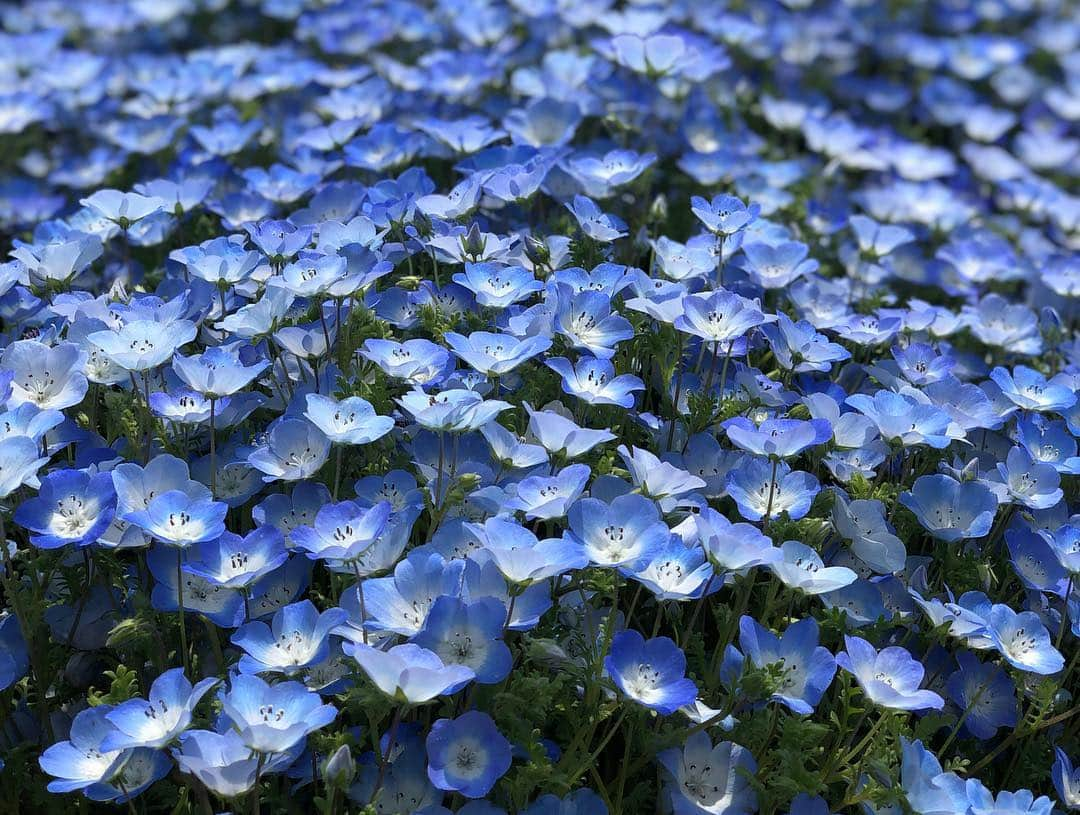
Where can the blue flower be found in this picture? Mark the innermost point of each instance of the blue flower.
(655, 478)
(1030, 390)
(22, 460)
(777, 266)
(177, 519)
(14, 657)
(621, 533)
(408, 673)
(467, 754)
(236, 562)
(350, 421)
(804, 669)
(1066, 779)
(1023, 640)
(468, 634)
(582, 801)
(417, 361)
(221, 761)
(496, 285)
(297, 638)
(1027, 481)
(951, 510)
(652, 673)
(707, 778)
(142, 345)
(761, 490)
(273, 718)
(342, 531)
(724, 214)
(495, 354)
(733, 547)
(598, 225)
(547, 497)
(594, 381)
(889, 678)
(777, 438)
(294, 449)
(455, 410)
(798, 347)
(524, 560)
(802, 568)
(985, 694)
(49, 377)
(675, 571)
(904, 419)
(588, 322)
(159, 719)
(81, 761)
(563, 436)
(71, 507)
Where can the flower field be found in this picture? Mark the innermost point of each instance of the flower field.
(540, 406)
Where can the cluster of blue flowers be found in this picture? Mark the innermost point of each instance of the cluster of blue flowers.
(540, 406)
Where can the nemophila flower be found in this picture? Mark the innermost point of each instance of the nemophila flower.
(1051, 442)
(889, 678)
(159, 719)
(761, 489)
(468, 634)
(273, 718)
(342, 531)
(20, 460)
(496, 285)
(219, 371)
(400, 603)
(802, 568)
(1030, 390)
(142, 767)
(951, 510)
(455, 410)
(733, 547)
(921, 364)
(177, 519)
(986, 694)
(798, 346)
(582, 801)
(619, 533)
(82, 762)
(49, 377)
(522, 558)
(220, 761)
(925, 786)
(560, 435)
(142, 345)
(72, 507)
(123, 208)
(652, 673)
(876, 240)
(221, 605)
(595, 382)
(719, 316)
(984, 802)
(675, 571)
(903, 419)
(598, 225)
(655, 478)
(495, 354)
(548, 497)
(724, 214)
(777, 266)
(221, 261)
(777, 438)
(803, 669)
(1066, 779)
(708, 778)
(467, 754)
(409, 674)
(296, 639)
(587, 321)
(1034, 484)
(351, 421)
(1065, 544)
(511, 451)
(236, 562)
(295, 449)
(14, 659)
(1035, 561)
(261, 318)
(279, 240)
(1023, 640)
(417, 361)
(872, 540)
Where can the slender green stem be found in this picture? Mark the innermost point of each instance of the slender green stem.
(180, 609)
